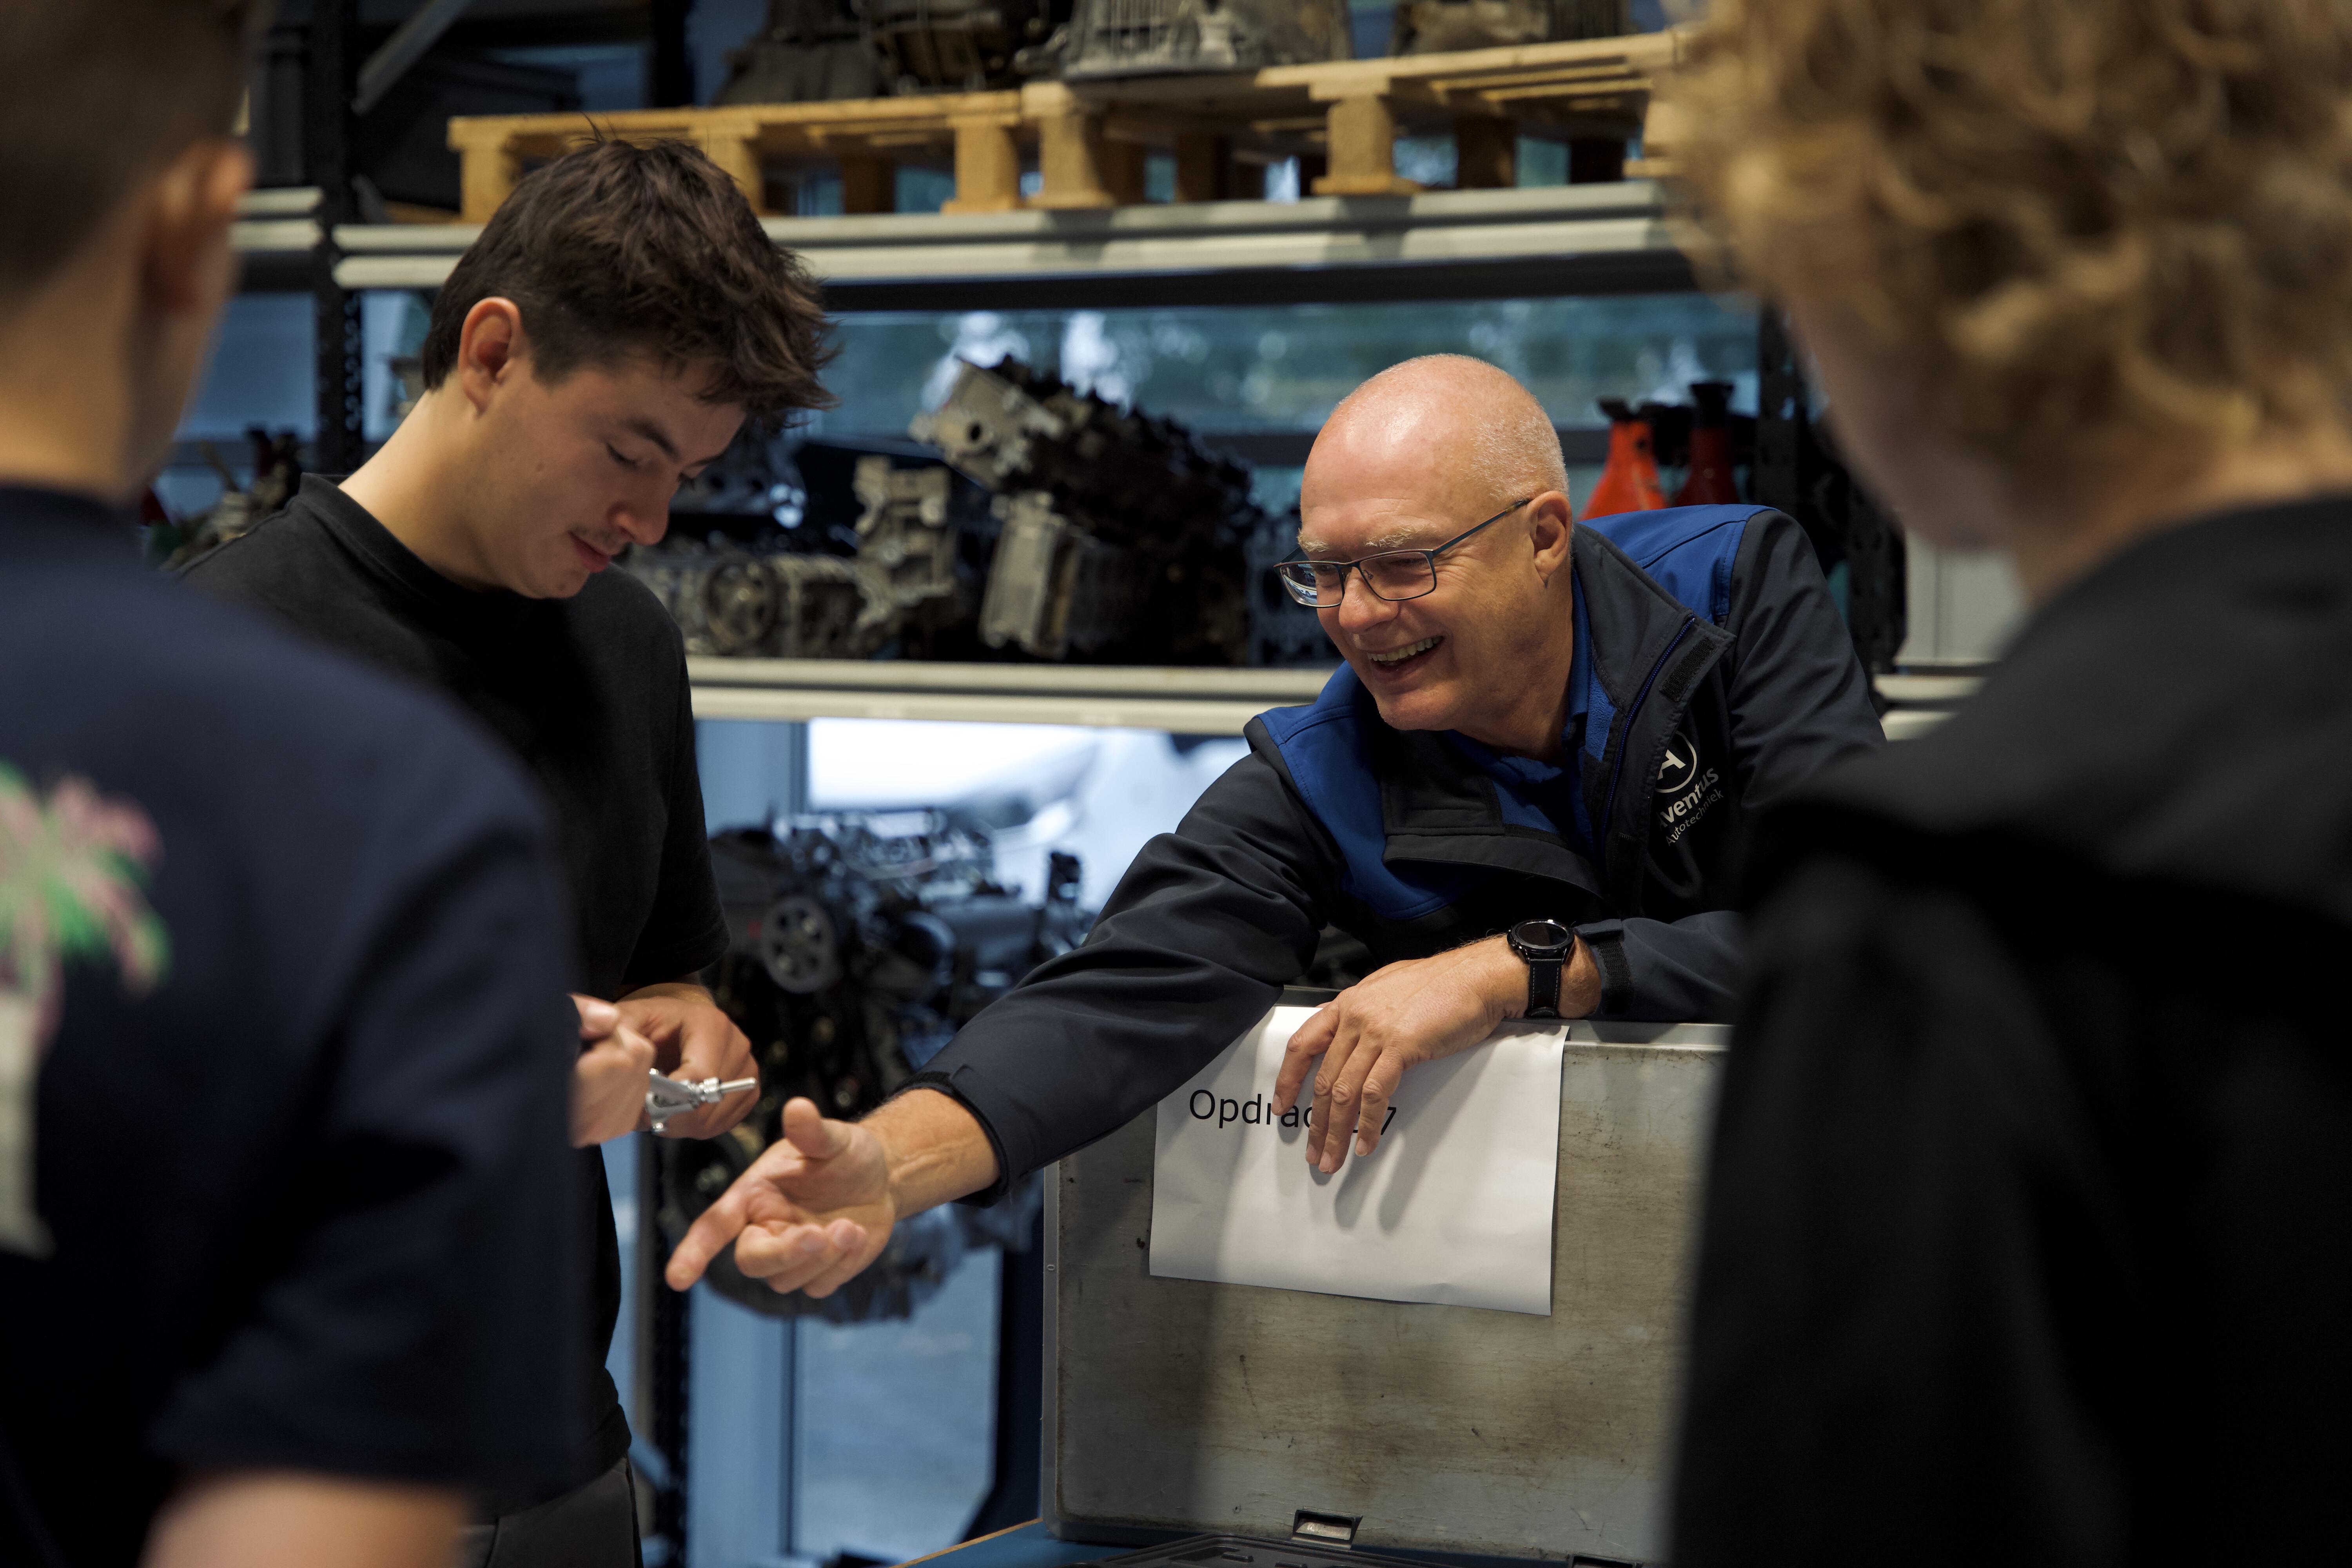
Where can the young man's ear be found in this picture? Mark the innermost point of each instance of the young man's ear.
(489, 348)
(186, 261)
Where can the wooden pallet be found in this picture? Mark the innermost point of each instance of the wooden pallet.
(1348, 112)
(868, 137)
(1091, 138)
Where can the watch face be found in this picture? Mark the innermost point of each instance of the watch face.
(1542, 936)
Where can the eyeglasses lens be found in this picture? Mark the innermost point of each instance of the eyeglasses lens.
(1406, 574)
(1312, 583)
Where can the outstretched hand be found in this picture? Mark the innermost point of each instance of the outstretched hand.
(1395, 1018)
(810, 1212)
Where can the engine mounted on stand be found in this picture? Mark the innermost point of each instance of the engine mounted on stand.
(857, 945)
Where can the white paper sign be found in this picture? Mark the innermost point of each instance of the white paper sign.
(1454, 1207)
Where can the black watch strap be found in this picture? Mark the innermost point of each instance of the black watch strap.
(1544, 946)
(1543, 987)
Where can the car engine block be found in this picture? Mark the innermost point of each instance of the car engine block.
(857, 945)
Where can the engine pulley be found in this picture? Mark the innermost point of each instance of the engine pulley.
(798, 946)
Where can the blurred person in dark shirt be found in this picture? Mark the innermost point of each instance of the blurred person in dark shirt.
(2028, 1231)
(621, 318)
(285, 1067)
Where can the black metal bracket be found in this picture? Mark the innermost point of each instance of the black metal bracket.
(337, 447)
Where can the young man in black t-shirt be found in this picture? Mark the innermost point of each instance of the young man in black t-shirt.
(284, 1063)
(617, 322)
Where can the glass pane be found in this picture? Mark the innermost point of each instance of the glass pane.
(1274, 367)
(1100, 794)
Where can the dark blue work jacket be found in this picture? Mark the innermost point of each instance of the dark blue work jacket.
(1718, 677)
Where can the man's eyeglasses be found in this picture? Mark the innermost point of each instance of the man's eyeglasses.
(1391, 574)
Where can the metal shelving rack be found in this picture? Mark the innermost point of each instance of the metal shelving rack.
(1545, 240)
(1519, 243)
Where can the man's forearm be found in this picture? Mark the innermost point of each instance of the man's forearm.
(1579, 983)
(264, 1519)
(937, 1150)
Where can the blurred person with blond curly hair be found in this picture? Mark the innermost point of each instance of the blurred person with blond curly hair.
(2028, 1231)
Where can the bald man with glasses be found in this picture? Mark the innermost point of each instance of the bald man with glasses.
(1525, 792)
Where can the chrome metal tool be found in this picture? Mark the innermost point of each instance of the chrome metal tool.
(668, 1097)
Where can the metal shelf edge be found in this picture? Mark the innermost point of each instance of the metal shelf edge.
(1118, 682)
(1194, 716)
(1447, 228)
(280, 201)
(263, 235)
(1201, 702)
(1166, 220)
(1910, 723)
(1934, 690)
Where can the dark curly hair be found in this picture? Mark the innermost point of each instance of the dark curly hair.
(618, 249)
(2090, 230)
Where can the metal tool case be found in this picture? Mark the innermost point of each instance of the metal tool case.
(1175, 1406)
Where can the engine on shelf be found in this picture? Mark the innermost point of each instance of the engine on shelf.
(953, 44)
(806, 51)
(773, 597)
(1437, 26)
(857, 945)
(1067, 528)
(1149, 38)
(815, 50)
(1123, 538)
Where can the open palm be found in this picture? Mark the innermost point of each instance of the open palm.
(811, 1211)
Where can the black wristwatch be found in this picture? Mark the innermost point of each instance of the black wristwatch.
(1545, 946)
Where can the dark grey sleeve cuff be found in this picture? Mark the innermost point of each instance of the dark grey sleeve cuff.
(945, 1084)
(1606, 941)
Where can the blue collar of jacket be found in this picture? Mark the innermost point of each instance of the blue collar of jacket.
(1416, 819)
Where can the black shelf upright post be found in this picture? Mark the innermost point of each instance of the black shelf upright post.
(1014, 1494)
(1783, 417)
(668, 1363)
(1798, 470)
(670, 63)
(331, 78)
